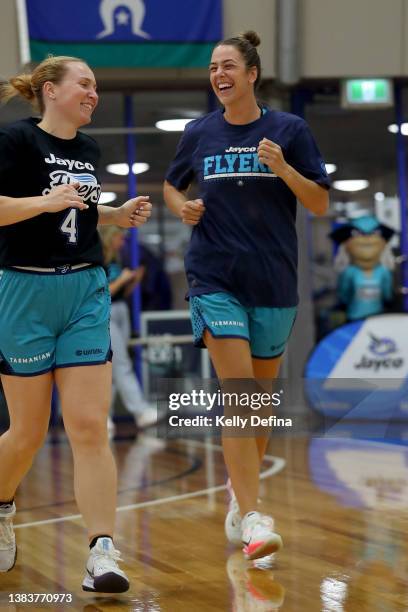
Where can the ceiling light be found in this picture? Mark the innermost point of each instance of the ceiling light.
(357, 185)
(123, 169)
(379, 196)
(107, 196)
(330, 168)
(393, 128)
(172, 125)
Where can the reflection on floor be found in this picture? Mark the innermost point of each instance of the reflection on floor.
(340, 504)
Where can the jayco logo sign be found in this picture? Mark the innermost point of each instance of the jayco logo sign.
(382, 356)
(379, 348)
(374, 350)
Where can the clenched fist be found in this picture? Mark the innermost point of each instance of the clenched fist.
(192, 211)
(271, 155)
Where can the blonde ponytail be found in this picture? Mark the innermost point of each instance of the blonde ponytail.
(30, 86)
(17, 86)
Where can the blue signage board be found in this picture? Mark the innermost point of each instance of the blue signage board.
(360, 370)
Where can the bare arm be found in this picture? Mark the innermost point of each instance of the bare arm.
(174, 198)
(14, 210)
(127, 280)
(132, 213)
(124, 278)
(189, 211)
(313, 197)
(136, 280)
(106, 215)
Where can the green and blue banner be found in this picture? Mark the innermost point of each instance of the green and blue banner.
(125, 33)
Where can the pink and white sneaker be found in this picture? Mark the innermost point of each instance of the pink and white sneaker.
(258, 536)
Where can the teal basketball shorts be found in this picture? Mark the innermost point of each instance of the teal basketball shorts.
(53, 320)
(266, 329)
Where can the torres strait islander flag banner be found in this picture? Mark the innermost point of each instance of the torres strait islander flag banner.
(122, 33)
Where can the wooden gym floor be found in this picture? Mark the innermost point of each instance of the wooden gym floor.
(341, 506)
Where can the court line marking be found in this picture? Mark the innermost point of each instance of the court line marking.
(276, 467)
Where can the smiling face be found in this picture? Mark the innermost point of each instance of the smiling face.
(231, 80)
(365, 250)
(75, 97)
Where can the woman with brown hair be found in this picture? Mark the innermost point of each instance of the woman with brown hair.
(251, 163)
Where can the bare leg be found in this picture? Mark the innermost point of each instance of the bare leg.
(232, 359)
(85, 394)
(29, 404)
(265, 369)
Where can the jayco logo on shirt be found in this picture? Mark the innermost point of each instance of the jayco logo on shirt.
(88, 189)
(241, 150)
(71, 163)
(236, 162)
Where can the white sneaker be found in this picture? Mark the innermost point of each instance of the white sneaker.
(102, 571)
(232, 525)
(8, 549)
(147, 418)
(258, 536)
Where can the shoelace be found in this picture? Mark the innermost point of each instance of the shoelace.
(6, 534)
(104, 559)
(267, 521)
(264, 520)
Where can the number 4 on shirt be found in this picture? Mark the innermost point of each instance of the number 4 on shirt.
(69, 226)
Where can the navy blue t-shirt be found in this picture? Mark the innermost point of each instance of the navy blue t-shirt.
(245, 243)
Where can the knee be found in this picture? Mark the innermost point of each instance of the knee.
(88, 431)
(27, 442)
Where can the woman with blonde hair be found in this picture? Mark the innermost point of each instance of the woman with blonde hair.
(122, 282)
(54, 301)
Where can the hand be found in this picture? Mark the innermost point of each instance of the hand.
(136, 277)
(270, 154)
(126, 276)
(62, 197)
(134, 212)
(138, 274)
(192, 212)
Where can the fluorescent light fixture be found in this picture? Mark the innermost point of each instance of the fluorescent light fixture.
(393, 128)
(123, 169)
(107, 196)
(379, 196)
(357, 185)
(172, 125)
(330, 168)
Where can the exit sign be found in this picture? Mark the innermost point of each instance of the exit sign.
(367, 93)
